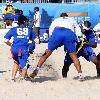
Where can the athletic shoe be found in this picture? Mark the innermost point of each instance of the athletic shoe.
(81, 78)
(21, 79)
(33, 74)
(98, 76)
(13, 80)
(64, 73)
(65, 70)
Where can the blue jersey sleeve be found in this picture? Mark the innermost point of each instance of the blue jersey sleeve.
(9, 34)
(92, 38)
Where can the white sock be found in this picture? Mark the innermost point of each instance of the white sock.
(37, 68)
(80, 74)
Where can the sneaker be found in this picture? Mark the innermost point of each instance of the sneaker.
(13, 80)
(33, 74)
(18, 75)
(98, 76)
(81, 78)
(64, 73)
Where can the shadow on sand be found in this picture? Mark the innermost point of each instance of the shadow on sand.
(87, 78)
(41, 79)
(3, 71)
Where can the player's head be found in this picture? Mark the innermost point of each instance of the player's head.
(8, 19)
(36, 9)
(21, 12)
(86, 25)
(22, 20)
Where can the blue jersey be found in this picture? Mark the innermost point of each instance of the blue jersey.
(87, 51)
(90, 36)
(21, 34)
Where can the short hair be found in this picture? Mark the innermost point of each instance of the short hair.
(63, 15)
(87, 24)
(22, 19)
(17, 11)
(36, 8)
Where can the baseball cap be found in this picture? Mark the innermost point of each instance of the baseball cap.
(9, 16)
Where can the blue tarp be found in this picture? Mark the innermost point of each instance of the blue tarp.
(50, 11)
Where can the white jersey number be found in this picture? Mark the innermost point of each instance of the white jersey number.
(22, 31)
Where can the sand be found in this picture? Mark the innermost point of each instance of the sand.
(49, 84)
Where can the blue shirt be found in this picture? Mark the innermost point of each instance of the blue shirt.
(16, 17)
(21, 34)
(90, 36)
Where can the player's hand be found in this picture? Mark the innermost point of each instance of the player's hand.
(85, 44)
(98, 35)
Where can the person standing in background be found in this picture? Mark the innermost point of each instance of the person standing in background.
(8, 19)
(36, 22)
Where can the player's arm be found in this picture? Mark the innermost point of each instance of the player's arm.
(38, 17)
(34, 21)
(91, 40)
(93, 45)
(8, 43)
(7, 37)
(97, 35)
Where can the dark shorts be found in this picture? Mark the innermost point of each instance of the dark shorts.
(36, 30)
(86, 52)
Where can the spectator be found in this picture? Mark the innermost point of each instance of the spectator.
(8, 9)
(36, 22)
(8, 19)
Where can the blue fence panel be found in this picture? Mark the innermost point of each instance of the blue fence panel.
(50, 11)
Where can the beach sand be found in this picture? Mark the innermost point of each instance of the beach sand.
(49, 84)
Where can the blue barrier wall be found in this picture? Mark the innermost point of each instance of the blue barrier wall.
(50, 11)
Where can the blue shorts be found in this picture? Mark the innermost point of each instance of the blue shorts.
(62, 36)
(86, 52)
(20, 56)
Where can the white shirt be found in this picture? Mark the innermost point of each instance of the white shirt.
(37, 16)
(66, 22)
(97, 29)
(15, 23)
